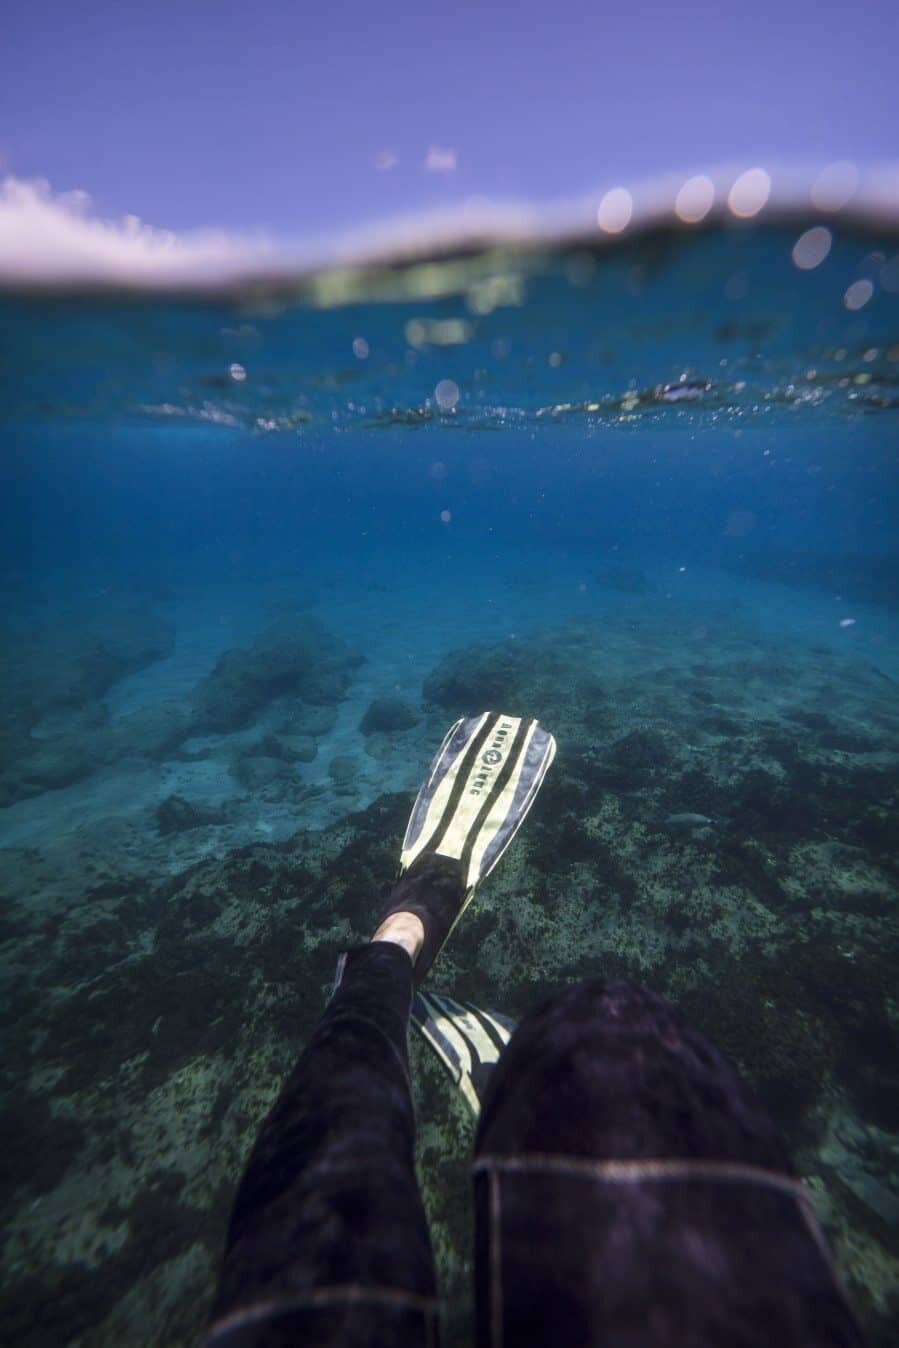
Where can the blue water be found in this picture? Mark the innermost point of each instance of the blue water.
(648, 491)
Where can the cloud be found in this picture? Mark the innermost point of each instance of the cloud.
(53, 238)
(385, 160)
(441, 159)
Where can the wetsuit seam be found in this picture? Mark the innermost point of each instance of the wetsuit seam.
(650, 1170)
(668, 1169)
(496, 1305)
(340, 1294)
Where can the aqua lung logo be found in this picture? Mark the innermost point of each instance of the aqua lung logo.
(490, 759)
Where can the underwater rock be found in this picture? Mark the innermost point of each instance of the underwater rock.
(73, 744)
(292, 748)
(52, 765)
(37, 1146)
(478, 676)
(310, 720)
(258, 771)
(152, 732)
(85, 722)
(388, 715)
(73, 666)
(785, 1040)
(295, 656)
(177, 815)
(636, 760)
(343, 769)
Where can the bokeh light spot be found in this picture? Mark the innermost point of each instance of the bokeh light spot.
(615, 211)
(812, 247)
(447, 394)
(695, 199)
(749, 193)
(858, 294)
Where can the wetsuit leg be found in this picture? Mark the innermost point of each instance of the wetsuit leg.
(328, 1241)
(630, 1190)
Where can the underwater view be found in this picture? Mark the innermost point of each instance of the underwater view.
(261, 547)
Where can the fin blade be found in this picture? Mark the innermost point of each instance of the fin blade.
(479, 789)
(467, 1041)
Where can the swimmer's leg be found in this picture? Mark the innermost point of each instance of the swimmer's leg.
(630, 1190)
(328, 1241)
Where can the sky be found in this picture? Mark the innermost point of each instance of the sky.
(301, 117)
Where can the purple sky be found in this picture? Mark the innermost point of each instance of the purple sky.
(273, 113)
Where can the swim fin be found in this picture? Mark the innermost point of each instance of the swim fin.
(467, 1041)
(478, 791)
(474, 799)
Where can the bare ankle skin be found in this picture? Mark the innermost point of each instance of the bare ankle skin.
(403, 929)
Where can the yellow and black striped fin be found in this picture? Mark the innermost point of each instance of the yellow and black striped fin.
(478, 791)
(467, 1041)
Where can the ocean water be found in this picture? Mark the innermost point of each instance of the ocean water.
(259, 549)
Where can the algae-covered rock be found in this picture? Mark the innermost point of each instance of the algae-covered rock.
(292, 748)
(343, 769)
(52, 683)
(177, 815)
(296, 656)
(306, 719)
(469, 680)
(388, 715)
(784, 1038)
(257, 771)
(152, 732)
(298, 748)
(52, 765)
(75, 664)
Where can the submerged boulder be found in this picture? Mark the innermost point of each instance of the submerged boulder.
(75, 664)
(296, 656)
(306, 719)
(477, 677)
(177, 815)
(387, 715)
(290, 748)
(343, 770)
(52, 765)
(258, 771)
(152, 732)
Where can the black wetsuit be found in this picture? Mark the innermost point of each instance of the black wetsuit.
(629, 1190)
